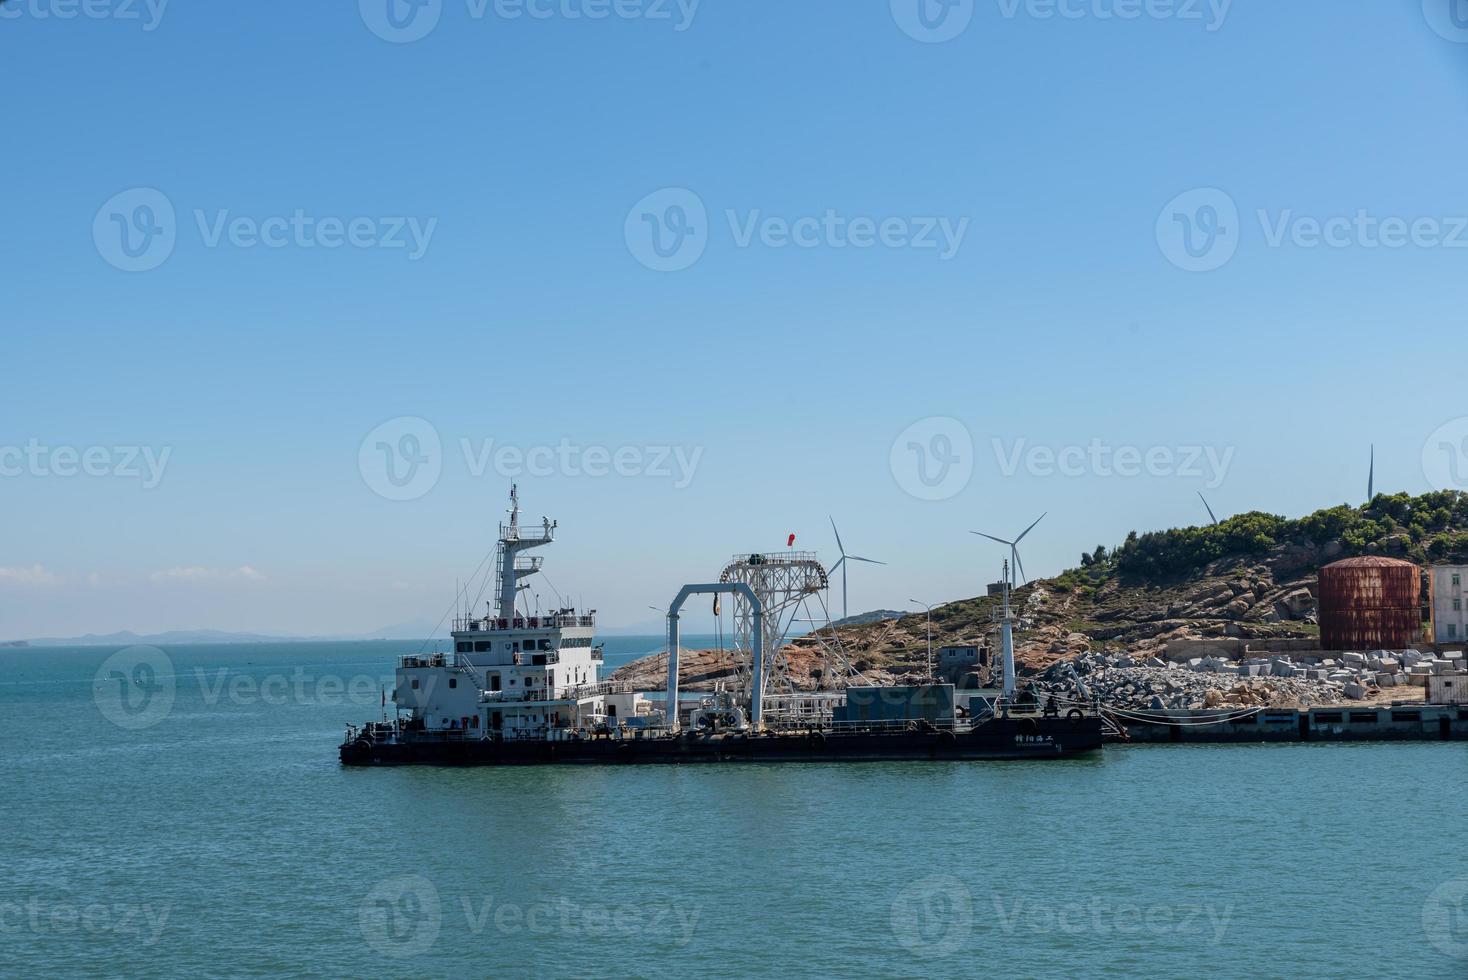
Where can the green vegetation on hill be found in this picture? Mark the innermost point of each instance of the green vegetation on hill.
(1429, 528)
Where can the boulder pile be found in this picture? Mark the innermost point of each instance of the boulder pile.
(1257, 681)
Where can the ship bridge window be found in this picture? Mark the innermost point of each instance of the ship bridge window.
(545, 644)
(482, 646)
(453, 682)
(463, 647)
(415, 683)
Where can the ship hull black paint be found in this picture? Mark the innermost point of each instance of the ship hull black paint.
(997, 740)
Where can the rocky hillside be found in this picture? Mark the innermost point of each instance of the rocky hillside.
(1250, 577)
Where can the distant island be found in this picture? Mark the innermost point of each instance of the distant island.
(415, 630)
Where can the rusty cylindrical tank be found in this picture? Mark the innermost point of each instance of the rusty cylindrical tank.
(1370, 603)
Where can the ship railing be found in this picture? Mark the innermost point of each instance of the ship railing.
(604, 687)
(552, 621)
(772, 557)
(891, 725)
(528, 533)
(426, 660)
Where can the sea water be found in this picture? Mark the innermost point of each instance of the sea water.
(208, 830)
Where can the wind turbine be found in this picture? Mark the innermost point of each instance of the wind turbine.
(1209, 509)
(841, 564)
(1015, 563)
(1371, 477)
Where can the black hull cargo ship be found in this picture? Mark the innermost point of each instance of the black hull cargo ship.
(997, 739)
(524, 688)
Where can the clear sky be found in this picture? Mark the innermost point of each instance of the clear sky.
(787, 240)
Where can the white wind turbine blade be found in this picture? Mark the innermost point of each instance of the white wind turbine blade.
(992, 538)
(839, 546)
(1031, 527)
(1207, 508)
(838, 564)
(869, 561)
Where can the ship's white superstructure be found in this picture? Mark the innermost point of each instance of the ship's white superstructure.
(512, 674)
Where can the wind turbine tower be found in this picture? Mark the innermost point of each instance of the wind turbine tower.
(841, 564)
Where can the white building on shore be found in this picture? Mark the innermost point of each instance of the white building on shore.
(1449, 603)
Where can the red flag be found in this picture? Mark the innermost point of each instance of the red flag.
(791, 542)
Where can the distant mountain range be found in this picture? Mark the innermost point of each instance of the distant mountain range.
(413, 630)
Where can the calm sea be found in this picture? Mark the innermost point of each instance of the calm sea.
(181, 813)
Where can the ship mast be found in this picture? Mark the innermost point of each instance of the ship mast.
(512, 568)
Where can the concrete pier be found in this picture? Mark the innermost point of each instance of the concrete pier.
(1414, 722)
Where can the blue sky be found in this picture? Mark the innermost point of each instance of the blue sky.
(528, 152)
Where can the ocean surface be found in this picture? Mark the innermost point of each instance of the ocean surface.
(180, 813)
